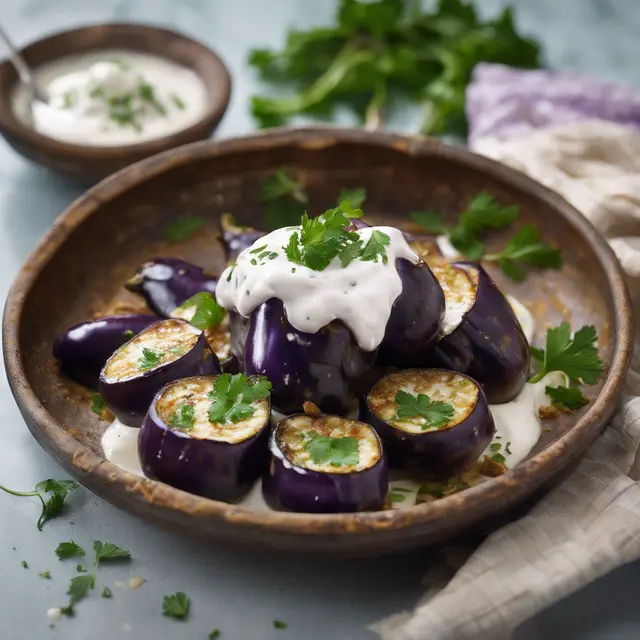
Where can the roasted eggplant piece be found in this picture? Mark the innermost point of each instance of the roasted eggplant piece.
(165, 283)
(327, 368)
(416, 317)
(433, 423)
(481, 335)
(325, 464)
(237, 238)
(207, 450)
(83, 349)
(166, 351)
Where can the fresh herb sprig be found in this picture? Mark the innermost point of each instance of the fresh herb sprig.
(334, 451)
(176, 606)
(377, 51)
(149, 359)
(52, 494)
(183, 418)
(232, 397)
(568, 398)
(436, 414)
(207, 313)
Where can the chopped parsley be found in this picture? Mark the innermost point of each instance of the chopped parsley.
(334, 451)
(176, 606)
(278, 624)
(108, 551)
(46, 575)
(52, 494)
(69, 550)
(566, 397)
(24, 564)
(178, 101)
(128, 333)
(149, 359)
(496, 456)
(376, 247)
(207, 312)
(232, 397)
(182, 228)
(397, 497)
(214, 634)
(97, 404)
(81, 569)
(106, 593)
(78, 589)
(577, 357)
(436, 414)
(183, 418)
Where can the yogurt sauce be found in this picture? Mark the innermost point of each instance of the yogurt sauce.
(111, 98)
(313, 299)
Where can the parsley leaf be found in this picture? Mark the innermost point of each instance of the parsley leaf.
(577, 357)
(182, 228)
(46, 575)
(232, 396)
(430, 221)
(183, 418)
(81, 569)
(108, 551)
(97, 404)
(376, 247)
(78, 589)
(214, 634)
(334, 451)
(278, 624)
(485, 212)
(149, 359)
(397, 497)
(207, 313)
(106, 593)
(354, 196)
(435, 413)
(283, 198)
(69, 550)
(24, 564)
(176, 606)
(566, 398)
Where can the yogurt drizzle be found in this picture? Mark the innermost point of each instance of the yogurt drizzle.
(361, 295)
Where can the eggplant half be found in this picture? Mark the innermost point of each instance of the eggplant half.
(237, 238)
(325, 464)
(166, 351)
(165, 283)
(83, 349)
(434, 423)
(481, 335)
(179, 444)
(327, 368)
(416, 317)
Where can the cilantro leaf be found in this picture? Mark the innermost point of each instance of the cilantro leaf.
(354, 196)
(232, 396)
(334, 451)
(176, 606)
(183, 418)
(69, 550)
(430, 221)
(435, 413)
(108, 551)
(149, 359)
(97, 404)
(566, 398)
(207, 313)
(283, 200)
(577, 357)
(376, 247)
(182, 228)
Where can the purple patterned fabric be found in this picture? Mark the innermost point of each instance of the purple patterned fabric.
(503, 101)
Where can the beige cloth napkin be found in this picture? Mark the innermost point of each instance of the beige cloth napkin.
(590, 524)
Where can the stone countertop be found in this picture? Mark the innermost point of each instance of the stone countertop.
(242, 593)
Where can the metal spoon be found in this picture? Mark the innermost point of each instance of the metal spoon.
(24, 71)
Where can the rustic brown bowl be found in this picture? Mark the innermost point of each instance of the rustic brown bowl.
(78, 269)
(90, 164)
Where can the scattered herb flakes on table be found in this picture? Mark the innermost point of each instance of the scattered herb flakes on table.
(381, 50)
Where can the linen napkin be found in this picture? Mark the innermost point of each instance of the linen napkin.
(537, 122)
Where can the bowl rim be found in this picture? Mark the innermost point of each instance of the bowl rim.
(215, 110)
(497, 494)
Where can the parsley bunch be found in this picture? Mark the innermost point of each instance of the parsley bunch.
(232, 397)
(435, 413)
(379, 50)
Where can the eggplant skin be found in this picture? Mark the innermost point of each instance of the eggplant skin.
(416, 317)
(83, 349)
(435, 455)
(286, 487)
(235, 238)
(129, 399)
(488, 345)
(327, 368)
(216, 470)
(165, 283)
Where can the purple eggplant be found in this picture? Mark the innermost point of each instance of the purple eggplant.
(325, 464)
(83, 349)
(166, 351)
(237, 238)
(165, 283)
(433, 423)
(179, 445)
(327, 368)
(416, 317)
(484, 338)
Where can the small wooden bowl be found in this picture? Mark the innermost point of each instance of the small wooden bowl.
(89, 164)
(78, 268)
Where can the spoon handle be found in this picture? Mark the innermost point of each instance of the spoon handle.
(21, 66)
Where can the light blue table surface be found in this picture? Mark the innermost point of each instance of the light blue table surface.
(242, 592)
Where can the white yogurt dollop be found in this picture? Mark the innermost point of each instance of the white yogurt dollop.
(112, 98)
